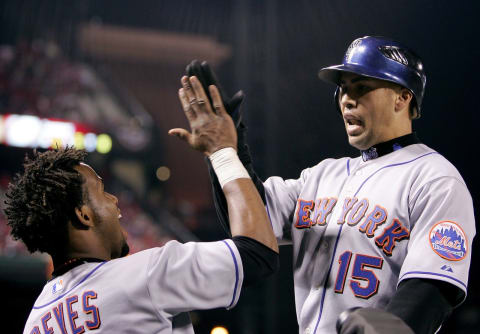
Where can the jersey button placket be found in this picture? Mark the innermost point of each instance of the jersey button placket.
(348, 189)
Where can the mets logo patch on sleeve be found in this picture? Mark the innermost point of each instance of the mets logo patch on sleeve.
(448, 241)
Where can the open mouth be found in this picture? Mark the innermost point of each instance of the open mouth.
(354, 126)
(354, 122)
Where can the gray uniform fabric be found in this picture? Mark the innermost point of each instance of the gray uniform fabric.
(361, 227)
(147, 292)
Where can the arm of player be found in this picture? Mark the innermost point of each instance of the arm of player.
(279, 196)
(213, 130)
(425, 310)
(232, 105)
(421, 312)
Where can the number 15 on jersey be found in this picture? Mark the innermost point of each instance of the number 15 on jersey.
(364, 283)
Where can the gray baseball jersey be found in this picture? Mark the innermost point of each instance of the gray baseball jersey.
(147, 292)
(361, 227)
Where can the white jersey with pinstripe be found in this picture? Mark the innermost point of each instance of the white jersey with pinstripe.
(359, 228)
(148, 292)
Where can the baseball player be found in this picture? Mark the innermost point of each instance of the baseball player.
(59, 206)
(391, 229)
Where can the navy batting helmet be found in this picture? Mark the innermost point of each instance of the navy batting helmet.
(384, 59)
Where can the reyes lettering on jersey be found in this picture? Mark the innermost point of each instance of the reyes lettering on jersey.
(63, 318)
(354, 213)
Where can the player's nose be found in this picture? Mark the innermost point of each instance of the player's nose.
(347, 102)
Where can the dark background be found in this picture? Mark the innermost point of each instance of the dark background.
(277, 48)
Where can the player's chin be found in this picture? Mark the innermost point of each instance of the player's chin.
(358, 142)
(356, 137)
(120, 252)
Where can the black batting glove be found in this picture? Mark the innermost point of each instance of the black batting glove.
(207, 77)
(232, 105)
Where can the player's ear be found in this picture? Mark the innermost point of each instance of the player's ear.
(84, 215)
(402, 101)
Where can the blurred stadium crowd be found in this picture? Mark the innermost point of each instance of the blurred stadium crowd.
(36, 79)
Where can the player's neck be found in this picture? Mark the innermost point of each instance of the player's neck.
(399, 128)
(74, 253)
(86, 244)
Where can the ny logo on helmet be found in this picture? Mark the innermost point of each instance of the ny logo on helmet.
(351, 48)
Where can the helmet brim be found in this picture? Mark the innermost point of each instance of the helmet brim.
(333, 74)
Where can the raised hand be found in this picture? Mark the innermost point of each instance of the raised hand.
(207, 77)
(212, 128)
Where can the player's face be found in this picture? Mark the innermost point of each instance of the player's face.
(367, 107)
(106, 214)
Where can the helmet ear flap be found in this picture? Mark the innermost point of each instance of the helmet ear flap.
(336, 99)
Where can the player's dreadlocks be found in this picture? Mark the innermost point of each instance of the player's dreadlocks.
(42, 200)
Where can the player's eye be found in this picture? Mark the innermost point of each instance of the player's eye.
(362, 89)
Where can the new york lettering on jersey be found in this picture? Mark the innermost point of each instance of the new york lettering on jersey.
(354, 211)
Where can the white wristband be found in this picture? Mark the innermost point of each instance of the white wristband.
(228, 166)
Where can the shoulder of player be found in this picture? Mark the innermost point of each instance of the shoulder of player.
(330, 167)
(114, 271)
(428, 167)
(431, 163)
(171, 250)
(333, 165)
(139, 259)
